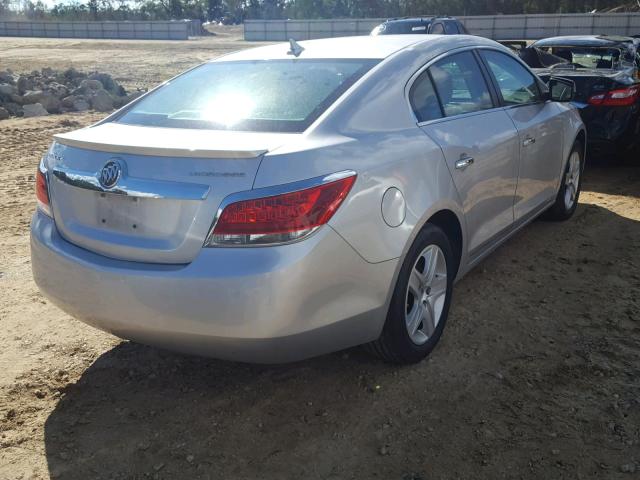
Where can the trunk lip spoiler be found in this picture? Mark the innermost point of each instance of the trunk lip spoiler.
(158, 151)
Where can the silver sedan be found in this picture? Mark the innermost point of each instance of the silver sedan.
(296, 199)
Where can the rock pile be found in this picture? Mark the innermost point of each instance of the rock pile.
(50, 91)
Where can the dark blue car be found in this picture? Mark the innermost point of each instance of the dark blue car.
(418, 25)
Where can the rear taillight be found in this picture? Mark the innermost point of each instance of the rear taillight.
(42, 190)
(283, 217)
(622, 97)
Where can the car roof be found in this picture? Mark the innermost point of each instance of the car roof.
(374, 47)
(582, 41)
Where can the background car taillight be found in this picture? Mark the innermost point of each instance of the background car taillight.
(622, 97)
(280, 218)
(42, 190)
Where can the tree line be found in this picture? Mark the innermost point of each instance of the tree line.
(235, 11)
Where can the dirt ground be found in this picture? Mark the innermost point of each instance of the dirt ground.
(536, 377)
(133, 63)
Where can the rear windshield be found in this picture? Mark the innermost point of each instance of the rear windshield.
(585, 57)
(263, 95)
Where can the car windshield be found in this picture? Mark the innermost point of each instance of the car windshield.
(582, 57)
(262, 95)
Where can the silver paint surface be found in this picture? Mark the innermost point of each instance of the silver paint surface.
(137, 266)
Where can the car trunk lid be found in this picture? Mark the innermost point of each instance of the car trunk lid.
(168, 184)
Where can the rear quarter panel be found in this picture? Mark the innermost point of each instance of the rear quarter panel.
(572, 126)
(406, 159)
(372, 131)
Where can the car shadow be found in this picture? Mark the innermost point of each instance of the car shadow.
(540, 336)
(142, 411)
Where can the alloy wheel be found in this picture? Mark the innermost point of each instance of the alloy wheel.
(426, 294)
(572, 180)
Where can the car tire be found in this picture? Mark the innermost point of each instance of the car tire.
(421, 294)
(569, 192)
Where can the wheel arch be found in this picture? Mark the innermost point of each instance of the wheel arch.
(446, 217)
(449, 222)
(581, 137)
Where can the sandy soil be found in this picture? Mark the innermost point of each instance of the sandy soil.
(536, 377)
(133, 63)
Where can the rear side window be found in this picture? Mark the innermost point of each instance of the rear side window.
(423, 98)
(263, 95)
(460, 85)
(517, 85)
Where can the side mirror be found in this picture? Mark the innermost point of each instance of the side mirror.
(561, 89)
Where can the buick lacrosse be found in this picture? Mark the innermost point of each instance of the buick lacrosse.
(296, 199)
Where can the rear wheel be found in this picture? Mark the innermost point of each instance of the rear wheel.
(420, 303)
(569, 192)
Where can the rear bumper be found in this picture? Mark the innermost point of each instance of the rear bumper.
(270, 304)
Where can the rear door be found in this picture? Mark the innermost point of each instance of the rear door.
(539, 126)
(455, 106)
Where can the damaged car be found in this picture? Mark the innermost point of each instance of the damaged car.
(606, 73)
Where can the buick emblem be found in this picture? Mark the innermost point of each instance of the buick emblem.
(110, 174)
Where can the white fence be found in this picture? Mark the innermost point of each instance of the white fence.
(533, 27)
(498, 27)
(123, 30)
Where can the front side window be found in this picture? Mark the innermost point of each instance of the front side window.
(261, 95)
(460, 85)
(517, 85)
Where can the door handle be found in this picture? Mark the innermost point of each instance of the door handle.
(528, 141)
(464, 162)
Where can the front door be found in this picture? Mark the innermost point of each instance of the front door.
(539, 128)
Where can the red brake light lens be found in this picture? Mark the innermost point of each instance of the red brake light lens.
(622, 97)
(42, 191)
(280, 218)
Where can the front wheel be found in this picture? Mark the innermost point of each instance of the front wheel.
(421, 298)
(569, 192)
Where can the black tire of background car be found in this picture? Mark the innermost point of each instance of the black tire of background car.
(394, 344)
(558, 211)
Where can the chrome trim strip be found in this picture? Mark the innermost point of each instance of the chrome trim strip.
(134, 187)
(270, 192)
(459, 116)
